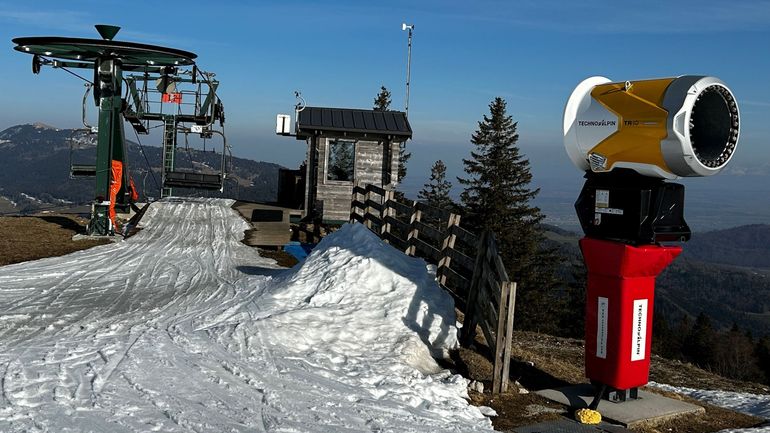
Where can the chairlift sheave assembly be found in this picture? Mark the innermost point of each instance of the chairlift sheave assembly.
(195, 108)
(109, 59)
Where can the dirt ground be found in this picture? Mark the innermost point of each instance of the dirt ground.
(542, 361)
(281, 257)
(35, 237)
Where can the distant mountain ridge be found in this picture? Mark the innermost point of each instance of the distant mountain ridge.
(747, 246)
(35, 158)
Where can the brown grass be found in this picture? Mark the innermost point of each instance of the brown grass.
(282, 258)
(542, 361)
(35, 237)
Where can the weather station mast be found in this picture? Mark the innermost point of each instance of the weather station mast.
(109, 59)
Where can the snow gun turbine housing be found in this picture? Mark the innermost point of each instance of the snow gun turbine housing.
(664, 128)
(630, 138)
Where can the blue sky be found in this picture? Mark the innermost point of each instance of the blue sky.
(532, 53)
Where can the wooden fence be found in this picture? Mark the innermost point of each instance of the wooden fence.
(467, 266)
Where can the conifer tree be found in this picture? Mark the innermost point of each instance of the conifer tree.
(436, 192)
(762, 352)
(403, 158)
(676, 342)
(698, 348)
(382, 101)
(497, 197)
(572, 316)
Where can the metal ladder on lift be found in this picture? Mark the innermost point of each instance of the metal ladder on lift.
(169, 145)
(184, 179)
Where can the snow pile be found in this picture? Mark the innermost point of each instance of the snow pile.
(183, 328)
(356, 293)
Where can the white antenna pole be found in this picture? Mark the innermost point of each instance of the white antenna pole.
(409, 27)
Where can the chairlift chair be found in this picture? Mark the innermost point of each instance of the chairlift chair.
(81, 170)
(196, 179)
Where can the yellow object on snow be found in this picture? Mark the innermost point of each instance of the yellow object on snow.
(588, 416)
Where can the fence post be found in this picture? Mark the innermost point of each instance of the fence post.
(497, 375)
(411, 238)
(367, 208)
(447, 245)
(386, 212)
(354, 199)
(509, 333)
(471, 319)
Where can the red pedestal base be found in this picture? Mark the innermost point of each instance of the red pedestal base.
(619, 307)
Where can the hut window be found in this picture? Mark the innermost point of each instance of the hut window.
(340, 160)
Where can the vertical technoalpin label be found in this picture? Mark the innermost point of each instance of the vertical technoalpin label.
(601, 328)
(639, 330)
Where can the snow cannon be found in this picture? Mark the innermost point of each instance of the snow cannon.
(665, 128)
(630, 138)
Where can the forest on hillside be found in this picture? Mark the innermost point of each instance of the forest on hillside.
(35, 167)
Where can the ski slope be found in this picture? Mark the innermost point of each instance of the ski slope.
(182, 328)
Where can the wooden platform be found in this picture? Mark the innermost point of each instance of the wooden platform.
(269, 224)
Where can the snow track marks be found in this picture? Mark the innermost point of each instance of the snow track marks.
(182, 328)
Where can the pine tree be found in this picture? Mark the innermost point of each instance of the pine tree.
(436, 192)
(762, 352)
(698, 348)
(382, 101)
(403, 158)
(676, 342)
(661, 335)
(572, 316)
(497, 198)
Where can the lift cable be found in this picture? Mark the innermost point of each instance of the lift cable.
(147, 161)
(79, 76)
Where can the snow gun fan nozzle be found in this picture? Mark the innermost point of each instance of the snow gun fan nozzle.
(665, 128)
(107, 32)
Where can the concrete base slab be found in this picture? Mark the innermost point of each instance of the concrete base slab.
(648, 409)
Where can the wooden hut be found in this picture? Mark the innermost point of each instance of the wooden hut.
(345, 147)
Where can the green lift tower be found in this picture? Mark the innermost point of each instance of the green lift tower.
(109, 60)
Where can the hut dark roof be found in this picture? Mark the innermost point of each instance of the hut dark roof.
(344, 121)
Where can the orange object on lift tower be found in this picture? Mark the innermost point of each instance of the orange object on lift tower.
(116, 181)
(174, 98)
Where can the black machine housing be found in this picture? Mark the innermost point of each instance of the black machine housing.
(627, 207)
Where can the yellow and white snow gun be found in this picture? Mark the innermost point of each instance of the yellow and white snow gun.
(662, 128)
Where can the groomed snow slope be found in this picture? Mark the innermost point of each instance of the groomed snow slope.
(182, 328)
